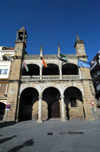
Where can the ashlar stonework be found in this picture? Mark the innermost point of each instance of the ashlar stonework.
(61, 90)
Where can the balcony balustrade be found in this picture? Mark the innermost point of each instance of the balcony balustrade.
(50, 77)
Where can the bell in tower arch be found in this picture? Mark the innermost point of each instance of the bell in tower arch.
(21, 35)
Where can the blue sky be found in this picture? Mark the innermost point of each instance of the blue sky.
(49, 22)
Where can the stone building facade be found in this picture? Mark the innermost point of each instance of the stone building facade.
(6, 54)
(61, 90)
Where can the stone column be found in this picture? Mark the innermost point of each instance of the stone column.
(40, 109)
(40, 73)
(63, 109)
(60, 69)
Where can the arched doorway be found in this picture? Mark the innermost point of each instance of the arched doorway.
(52, 96)
(53, 108)
(28, 98)
(2, 110)
(74, 103)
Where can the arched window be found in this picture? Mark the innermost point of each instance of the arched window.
(52, 69)
(33, 69)
(69, 69)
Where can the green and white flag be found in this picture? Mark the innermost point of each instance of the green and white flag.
(26, 67)
(63, 57)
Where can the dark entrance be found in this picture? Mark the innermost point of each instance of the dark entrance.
(53, 108)
(51, 96)
(74, 103)
(28, 97)
(2, 110)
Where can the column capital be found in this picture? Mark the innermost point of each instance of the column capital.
(62, 96)
(40, 96)
(83, 97)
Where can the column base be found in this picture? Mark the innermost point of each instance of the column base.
(63, 120)
(16, 120)
(39, 120)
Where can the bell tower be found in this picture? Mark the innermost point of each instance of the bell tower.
(80, 49)
(15, 74)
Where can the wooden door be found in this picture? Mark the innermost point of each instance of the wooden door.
(55, 110)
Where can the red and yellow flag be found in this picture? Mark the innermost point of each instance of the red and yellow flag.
(44, 63)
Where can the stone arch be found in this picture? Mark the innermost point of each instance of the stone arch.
(29, 96)
(2, 110)
(69, 69)
(74, 103)
(52, 69)
(33, 69)
(80, 87)
(24, 86)
(51, 96)
(51, 85)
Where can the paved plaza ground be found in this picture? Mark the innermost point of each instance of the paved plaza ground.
(50, 136)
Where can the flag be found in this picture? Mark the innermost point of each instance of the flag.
(26, 67)
(44, 63)
(63, 57)
(84, 64)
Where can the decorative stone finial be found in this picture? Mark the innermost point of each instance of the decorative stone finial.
(77, 37)
(58, 49)
(41, 51)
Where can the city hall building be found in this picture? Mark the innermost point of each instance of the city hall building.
(42, 87)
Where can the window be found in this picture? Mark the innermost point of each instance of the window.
(73, 102)
(3, 71)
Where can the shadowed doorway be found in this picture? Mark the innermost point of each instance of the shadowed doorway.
(74, 103)
(28, 97)
(2, 110)
(51, 96)
(53, 108)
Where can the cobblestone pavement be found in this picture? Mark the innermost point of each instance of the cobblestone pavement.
(50, 136)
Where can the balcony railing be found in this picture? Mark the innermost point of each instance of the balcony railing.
(50, 77)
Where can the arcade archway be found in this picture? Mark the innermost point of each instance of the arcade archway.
(52, 98)
(74, 103)
(29, 99)
(2, 110)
